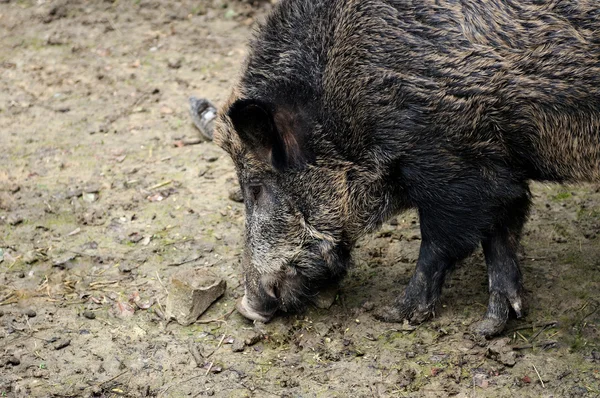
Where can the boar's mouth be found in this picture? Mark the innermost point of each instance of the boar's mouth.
(243, 306)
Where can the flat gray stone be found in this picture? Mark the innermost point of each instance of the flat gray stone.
(191, 292)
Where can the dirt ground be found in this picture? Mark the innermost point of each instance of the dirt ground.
(100, 203)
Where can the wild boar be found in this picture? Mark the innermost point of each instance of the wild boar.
(351, 111)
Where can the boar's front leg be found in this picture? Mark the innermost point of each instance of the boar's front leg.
(445, 240)
(504, 275)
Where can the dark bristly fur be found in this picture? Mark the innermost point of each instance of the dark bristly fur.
(350, 111)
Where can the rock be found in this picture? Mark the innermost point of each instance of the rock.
(61, 343)
(238, 346)
(91, 188)
(30, 313)
(30, 257)
(191, 292)
(14, 219)
(174, 63)
(65, 261)
(236, 195)
(89, 314)
(56, 12)
(89, 197)
(73, 193)
(13, 360)
(404, 378)
(253, 339)
(125, 267)
(480, 380)
(368, 306)
(325, 298)
(89, 246)
(500, 351)
(135, 237)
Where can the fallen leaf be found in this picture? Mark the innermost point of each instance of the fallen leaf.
(124, 310)
(435, 371)
(142, 305)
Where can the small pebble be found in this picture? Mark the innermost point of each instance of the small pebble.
(1, 312)
(91, 188)
(30, 313)
(89, 314)
(13, 360)
(30, 257)
(174, 63)
(14, 219)
(255, 338)
(124, 267)
(89, 197)
(238, 346)
(236, 195)
(62, 343)
(368, 306)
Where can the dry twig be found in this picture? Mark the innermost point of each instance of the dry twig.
(538, 375)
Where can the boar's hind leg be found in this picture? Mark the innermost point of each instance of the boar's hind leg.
(504, 274)
(440, 250)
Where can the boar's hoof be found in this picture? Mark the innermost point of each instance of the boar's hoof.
(488, 327)
(499, 307)
(395, 313)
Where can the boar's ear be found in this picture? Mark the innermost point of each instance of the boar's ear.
(274, 135)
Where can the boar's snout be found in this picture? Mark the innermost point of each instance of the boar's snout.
(247, 309)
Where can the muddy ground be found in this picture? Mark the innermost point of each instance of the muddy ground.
(100, 203)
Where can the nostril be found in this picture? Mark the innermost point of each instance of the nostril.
(272, 291)
(269, 287)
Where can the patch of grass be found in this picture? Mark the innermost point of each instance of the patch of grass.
(561, 196)
(585, 213)
(561, 230)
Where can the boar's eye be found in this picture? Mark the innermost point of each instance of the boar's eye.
(255, 190)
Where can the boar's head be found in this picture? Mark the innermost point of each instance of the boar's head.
(298, 199)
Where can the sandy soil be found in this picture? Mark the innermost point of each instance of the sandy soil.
(100, 202)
